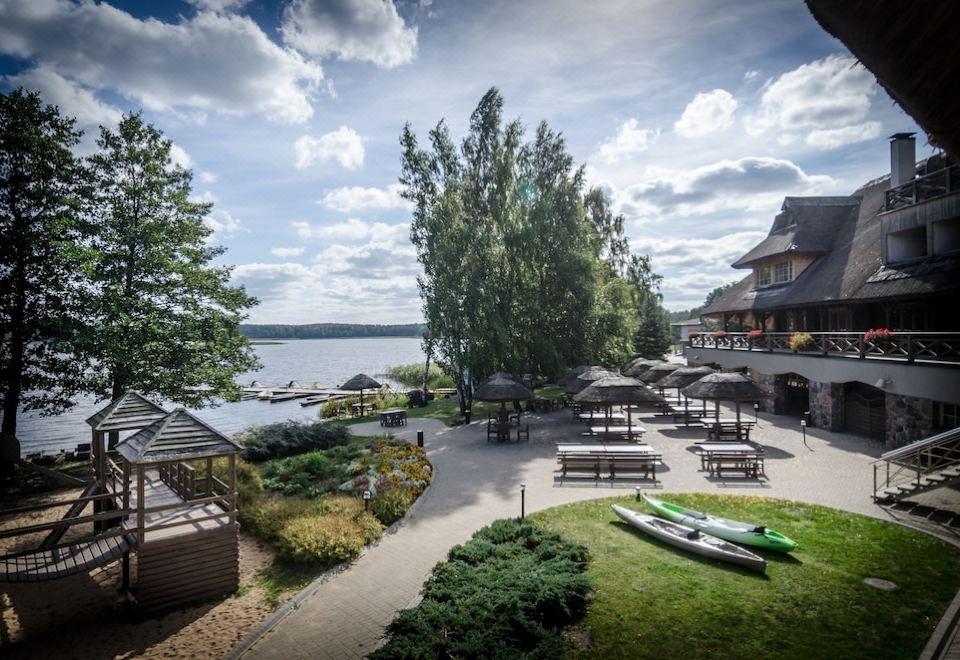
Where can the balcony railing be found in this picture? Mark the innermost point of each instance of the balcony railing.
(935, 184)
(902, 346)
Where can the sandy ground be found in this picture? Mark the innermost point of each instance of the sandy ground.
(87, 616)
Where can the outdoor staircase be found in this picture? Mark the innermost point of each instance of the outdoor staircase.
(918, 467)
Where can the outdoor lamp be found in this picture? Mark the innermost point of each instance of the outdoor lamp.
(366, 500)
(756, 411)
(637, 488)
(523, 497)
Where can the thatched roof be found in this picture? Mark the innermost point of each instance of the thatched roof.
(360, 382)
(618, 390)
(129, 411)
(726, 387)
(638, 366)
(503, 374)
(685, 376)
(502, 389)
(912, 49)
(571, 375)
(587, 377)
(176, 437)
(657, 372)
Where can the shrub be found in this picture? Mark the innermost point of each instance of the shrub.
(270, 515)
(510, 588)
(311, 474)
(328, 538)
(411, 375)
(801, 341)
(391, 504)
(289, 438)
(875, 335)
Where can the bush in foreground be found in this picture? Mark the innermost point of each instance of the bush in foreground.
(507, 592)
(337, 532)
(288, 438)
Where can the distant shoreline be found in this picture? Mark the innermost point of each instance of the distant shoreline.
(283, 331)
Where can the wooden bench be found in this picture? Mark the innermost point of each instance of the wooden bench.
(718, 463)
(523, 432)
(579, 462)
(613, 464)
(626, 464)
(723, 430)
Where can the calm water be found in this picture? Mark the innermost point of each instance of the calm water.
(328, 362)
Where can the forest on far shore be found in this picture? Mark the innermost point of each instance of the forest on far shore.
(329, 330)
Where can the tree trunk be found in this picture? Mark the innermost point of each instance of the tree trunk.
(426, 368)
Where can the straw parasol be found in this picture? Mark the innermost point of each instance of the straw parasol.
(637, 366)
(683, 377)
(658, 372)
(618, 390)
(503, 374)
(587, 377)
(501, 388)
(571, 375)
(360, 382)
(734, 387)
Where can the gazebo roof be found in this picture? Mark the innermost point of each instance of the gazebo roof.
(618, 390)
(726, 387)
(177, 436)
(360, 382)
(129, 411)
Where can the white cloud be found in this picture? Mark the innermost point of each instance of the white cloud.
(343, 145)
(207, 177)
(629, 141)
(233, 67)
(180, 157)
(218, 5)
(365, 30)
(708, 112)
(832, 94)
(747, 183)
(222, 223)
(356, 198)
(284, 252)
(752, 74)
(838, 137)
(354, 229)
(72, 99)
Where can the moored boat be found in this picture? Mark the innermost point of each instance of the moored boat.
(690, 539)
(730, 530)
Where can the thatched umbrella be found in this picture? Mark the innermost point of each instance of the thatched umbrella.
(587, 377)
(734, 387)
(360, 382)
(618, 390)
(683, 377)
(502, 388)
(637, 366)
(503, 374)
(658, 372)
(571, 375)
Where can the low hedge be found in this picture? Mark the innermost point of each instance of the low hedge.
(310, 475)
(282, 439)
(511, 588)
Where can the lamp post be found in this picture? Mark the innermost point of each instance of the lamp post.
(523, 497)
(637, 488)
(803, 428)
(756, 412)
(366, 500)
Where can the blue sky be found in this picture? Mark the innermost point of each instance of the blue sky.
(697, 117)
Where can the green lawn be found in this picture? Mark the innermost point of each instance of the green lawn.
(654, 601)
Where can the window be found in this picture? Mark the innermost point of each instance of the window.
(783, 272)
(762, 276)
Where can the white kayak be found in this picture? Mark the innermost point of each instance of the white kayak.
(692, 540)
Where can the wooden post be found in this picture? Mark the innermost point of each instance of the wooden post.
(232, 469)
(126, 486)
(141, 504)
(209, 476)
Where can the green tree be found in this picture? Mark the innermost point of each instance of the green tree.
(42, 195)
(521, 273)
(165, 319)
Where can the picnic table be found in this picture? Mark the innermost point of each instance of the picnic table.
(542, 404)
(628, 433)
(717, 429)
(720, 457)
(393, 417)
(613, 459)
(502, 430)
(357, 409)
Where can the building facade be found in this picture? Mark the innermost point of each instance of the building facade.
(850, 313)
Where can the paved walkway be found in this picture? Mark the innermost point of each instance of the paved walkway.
(477, 482)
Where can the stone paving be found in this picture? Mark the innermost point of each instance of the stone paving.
(477, 482)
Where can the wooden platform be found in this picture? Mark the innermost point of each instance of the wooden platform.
(187, 518)
(62, 561)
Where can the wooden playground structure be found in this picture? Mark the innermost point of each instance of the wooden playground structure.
(156, 504)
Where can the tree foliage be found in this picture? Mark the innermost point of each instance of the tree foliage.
(164, 319)
(522, 272)
(41, 257)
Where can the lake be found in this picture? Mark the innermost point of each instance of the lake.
(328, 362)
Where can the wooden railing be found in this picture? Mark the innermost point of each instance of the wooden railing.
(904, 346)
(910, 463)
(936, 184)
(181, 478)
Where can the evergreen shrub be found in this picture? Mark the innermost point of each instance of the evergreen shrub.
(327, 538)
(288, 438)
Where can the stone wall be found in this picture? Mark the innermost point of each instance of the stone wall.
(826, 405)
(908, 419)
(776, 384)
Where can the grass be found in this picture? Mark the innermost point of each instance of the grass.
(282, 577)
(654, 601)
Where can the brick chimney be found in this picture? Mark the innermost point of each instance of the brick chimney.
(903, 158)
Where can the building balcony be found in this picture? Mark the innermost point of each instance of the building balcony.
(917, 364)
(933, 185)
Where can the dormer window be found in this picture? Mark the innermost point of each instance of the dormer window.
(763, 276)
(783, 272)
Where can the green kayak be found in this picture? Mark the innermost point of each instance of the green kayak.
(729, 530)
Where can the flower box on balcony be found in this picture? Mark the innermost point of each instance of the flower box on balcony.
(877, 335)
(801, 341)
(720, 334)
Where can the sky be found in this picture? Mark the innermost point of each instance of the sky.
(697, 117)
